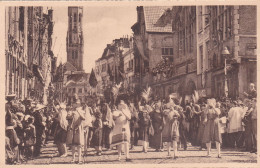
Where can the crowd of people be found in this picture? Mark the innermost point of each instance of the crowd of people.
(123, 123)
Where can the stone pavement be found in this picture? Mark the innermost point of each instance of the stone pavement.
(192, 155)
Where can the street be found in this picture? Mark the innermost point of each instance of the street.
(192, 155)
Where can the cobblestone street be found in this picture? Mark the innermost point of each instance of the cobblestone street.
(192, 155)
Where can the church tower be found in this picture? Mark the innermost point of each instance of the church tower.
(75, 41)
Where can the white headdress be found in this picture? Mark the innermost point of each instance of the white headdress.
(146, 94)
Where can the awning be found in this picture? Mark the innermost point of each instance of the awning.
(139, 44)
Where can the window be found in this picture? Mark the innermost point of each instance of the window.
(167, 52)
(200, 17)
(79, 17)
(131, 64)
(103, 67)
(80, 90)
(207, 15)
(76, 54)
(221, 23)
(75, 28)
(74, 90)
(201, 58)
(207, 55)
(75, 17)
(228, 21)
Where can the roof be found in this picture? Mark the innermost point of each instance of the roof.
(69, 67)
(78, 77)
(151, 15)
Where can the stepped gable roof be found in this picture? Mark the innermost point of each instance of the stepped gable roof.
(152, 14)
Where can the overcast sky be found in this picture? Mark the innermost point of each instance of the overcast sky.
(101, 26)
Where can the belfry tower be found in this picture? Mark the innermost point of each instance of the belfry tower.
(75, 41)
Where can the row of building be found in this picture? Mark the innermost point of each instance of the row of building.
(180, 49)
(30, 63)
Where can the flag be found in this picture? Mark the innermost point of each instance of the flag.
(92, 79)
(122, 76)
(110, 73)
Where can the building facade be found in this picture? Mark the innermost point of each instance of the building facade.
(153, 42)
(28, 51)
(232, 28)
(109, 69)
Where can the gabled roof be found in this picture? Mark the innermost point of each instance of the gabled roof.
(78, 77)
(151, 15)
(69, 67)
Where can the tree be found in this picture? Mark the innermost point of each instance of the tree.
(92, 79)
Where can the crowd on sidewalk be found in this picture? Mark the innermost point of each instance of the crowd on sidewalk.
(123, 123)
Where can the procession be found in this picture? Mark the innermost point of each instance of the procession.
(154, 85)
(121, 124)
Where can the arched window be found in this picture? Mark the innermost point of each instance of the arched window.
(215, 61)
(75, 17)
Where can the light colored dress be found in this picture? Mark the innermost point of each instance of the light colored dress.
(212, 127)
(75, 134)
(121, 130)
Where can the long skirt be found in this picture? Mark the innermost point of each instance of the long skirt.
(144, 133)
(60, 135)
(156, 139)
(200, 133)
(212, 131)
(97, 137)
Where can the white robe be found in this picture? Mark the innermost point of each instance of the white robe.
(235, 115)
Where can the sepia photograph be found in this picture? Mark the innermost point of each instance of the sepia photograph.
(137, 84)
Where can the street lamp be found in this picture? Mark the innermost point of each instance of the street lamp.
(225, 53)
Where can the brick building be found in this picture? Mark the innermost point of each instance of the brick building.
(233, 28)
(109, 69)
(153, 41)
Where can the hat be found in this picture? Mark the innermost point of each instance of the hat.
(98, 115)
(39, 107)
(30, 120)
(19, 114)
(26, 117)
(10, 122)
(63, 106)
(10, 97)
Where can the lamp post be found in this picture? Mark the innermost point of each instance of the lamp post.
(225, 53)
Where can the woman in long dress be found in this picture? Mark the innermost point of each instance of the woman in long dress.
(212, 127)
(121, 129)
(60, 134)
(144, 123)
(171, 127)
(157, 123)
(75, 135)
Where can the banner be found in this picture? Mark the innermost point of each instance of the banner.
(139, 43)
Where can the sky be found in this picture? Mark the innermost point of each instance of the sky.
(100, 26)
